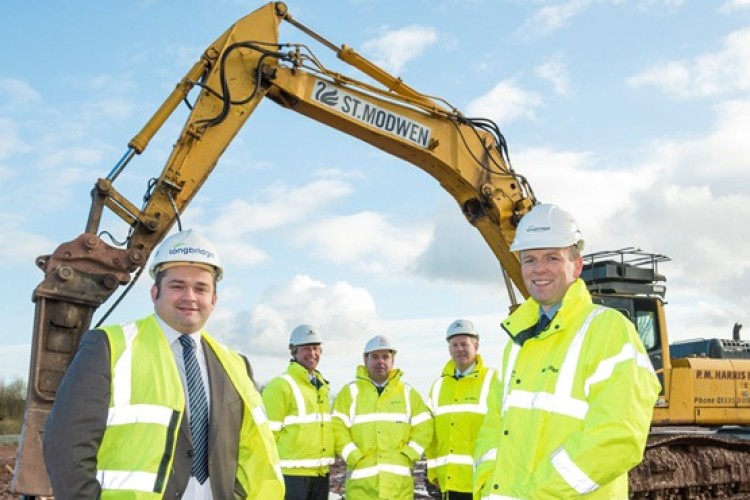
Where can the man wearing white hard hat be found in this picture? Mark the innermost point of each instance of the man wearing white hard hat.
(157, 408)
(381, 427)
(458, 400)
(571, 411)
(299, 411)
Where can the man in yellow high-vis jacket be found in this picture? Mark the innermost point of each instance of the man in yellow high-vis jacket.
(157, 408)
(570, 413)
(299, 411)
(381, 427)
(458, 400)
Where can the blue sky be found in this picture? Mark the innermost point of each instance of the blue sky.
(633, 115)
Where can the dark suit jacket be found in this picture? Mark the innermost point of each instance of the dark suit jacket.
(76, 424)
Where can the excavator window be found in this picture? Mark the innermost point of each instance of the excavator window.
(645, 323)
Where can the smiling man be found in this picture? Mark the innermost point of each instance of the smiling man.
(157, 408)
(381, 427)
(570, 412)
(299, 411)
(458, 400)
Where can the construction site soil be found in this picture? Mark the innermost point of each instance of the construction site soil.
(7, 459)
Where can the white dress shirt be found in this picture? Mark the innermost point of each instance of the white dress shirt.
(194, 490)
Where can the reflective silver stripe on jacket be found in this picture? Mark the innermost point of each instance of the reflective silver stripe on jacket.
(307, 463)
(450, 459)
(573, 474)
(399, 470)
(302, 416)
(562, 400)
(347, 450)
(607, 366)
(354, 419)
(126, 480)
(479, 407)
(490, 454)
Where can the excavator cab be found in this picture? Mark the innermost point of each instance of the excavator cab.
(628, 280)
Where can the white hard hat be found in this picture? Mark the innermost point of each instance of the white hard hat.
(461, 327)
(304, 335)
(187, 247)
(379, 343)
(547, 226)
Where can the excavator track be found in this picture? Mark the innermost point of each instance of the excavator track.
(693, 466)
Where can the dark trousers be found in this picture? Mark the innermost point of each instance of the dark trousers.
(457, 495)
(306, 487)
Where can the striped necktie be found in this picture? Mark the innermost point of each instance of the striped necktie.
(198, 409)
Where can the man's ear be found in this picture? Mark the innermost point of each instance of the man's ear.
(578, 267)
(154, 292)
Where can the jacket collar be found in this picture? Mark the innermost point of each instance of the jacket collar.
(297, 370)
(450, 367)
(576, 298)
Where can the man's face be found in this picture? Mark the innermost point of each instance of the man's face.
(463, 350)
(548, 272)
(309, 356)
(379, 364)
(185, 298)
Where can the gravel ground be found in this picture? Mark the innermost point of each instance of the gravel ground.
(7, 459)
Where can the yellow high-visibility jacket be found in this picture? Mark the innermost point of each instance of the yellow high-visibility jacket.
(458, 407)
(571, 410)
(300, 417)
(380, 436)
(146, 407)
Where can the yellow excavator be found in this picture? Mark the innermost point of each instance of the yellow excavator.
(699, 446)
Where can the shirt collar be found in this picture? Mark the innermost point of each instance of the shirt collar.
(173, 335)
(552, 311)
(467, 371)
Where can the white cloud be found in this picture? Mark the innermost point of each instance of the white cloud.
(734, 5)
(589, 186)
(395, 48)
(367, 240)
(709, 74)
(505, 102)
(696, 209)
(281, 205)
(555, 72)
(18, 92)
(553, 17)
(344, 313)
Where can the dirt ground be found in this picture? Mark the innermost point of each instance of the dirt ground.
(7, 459)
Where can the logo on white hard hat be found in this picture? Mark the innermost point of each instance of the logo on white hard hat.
(190, 248)
(546, 226)
(379, 343)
